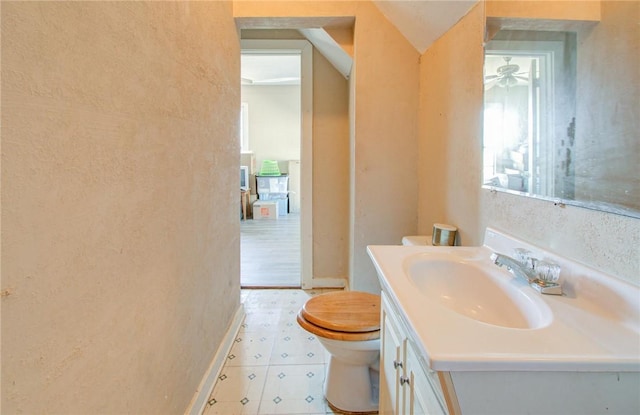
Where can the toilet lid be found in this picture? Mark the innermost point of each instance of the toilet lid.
(347, 311)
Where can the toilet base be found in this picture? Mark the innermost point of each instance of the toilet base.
(340, 411)
(351, 389)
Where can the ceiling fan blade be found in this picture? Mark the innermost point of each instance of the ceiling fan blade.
(278, 80)
(292, 80)
(490, 84)
(490, 77)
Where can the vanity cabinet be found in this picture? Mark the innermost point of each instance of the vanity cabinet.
(578, 352)
(407, 385)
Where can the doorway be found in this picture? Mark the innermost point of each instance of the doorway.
(276, 126)
(527, 100)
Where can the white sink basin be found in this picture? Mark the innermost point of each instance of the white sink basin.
(470, 290)
(468, 314)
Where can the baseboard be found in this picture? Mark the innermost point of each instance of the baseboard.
(329, 282)
(197, 405)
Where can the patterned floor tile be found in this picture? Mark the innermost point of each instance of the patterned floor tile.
(297, 347)
(231, 408)
(295, 389)
(238, 390)
(274, 366)
(288, 320)
(260, 320)
(251, 349)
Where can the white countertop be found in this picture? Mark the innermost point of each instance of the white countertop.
(595, 325)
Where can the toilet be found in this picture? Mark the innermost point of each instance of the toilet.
(347, 324)
(417, 240)
(443, 235)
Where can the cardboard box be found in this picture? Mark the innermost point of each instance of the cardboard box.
(265, 209)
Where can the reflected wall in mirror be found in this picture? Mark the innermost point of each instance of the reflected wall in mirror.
(561, 111)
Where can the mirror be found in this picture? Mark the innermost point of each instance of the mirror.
(562, 111)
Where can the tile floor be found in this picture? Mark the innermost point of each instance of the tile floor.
(274, 367)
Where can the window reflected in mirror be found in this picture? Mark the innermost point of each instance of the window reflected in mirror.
(529, 110)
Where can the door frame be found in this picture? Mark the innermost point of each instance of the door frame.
(306, 145)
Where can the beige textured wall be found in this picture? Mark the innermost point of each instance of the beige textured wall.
(585, 10)
(450, 142)
(605, 241)
(330, 170)
(274, 121)
(120, 249)
(384, 140)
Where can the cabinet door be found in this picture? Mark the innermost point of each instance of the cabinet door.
(391, 361)
(421, 398)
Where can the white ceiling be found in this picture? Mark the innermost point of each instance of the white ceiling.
(421, 22)
(270, 68)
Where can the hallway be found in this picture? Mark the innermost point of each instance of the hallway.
(270, 252)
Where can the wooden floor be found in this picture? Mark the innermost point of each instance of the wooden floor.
(270, 252)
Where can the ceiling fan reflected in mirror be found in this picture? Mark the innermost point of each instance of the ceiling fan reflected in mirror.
(288, 80)
(506, 76)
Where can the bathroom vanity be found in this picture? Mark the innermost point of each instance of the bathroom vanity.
(460, 335)
(407, 383)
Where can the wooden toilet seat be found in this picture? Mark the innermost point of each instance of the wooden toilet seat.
(344, 315)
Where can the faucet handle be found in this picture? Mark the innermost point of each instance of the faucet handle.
(521, 255)
(547, 274)
(524, 256)
(547, 271)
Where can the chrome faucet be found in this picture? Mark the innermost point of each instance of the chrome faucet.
(514, 266)
(536, 273)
